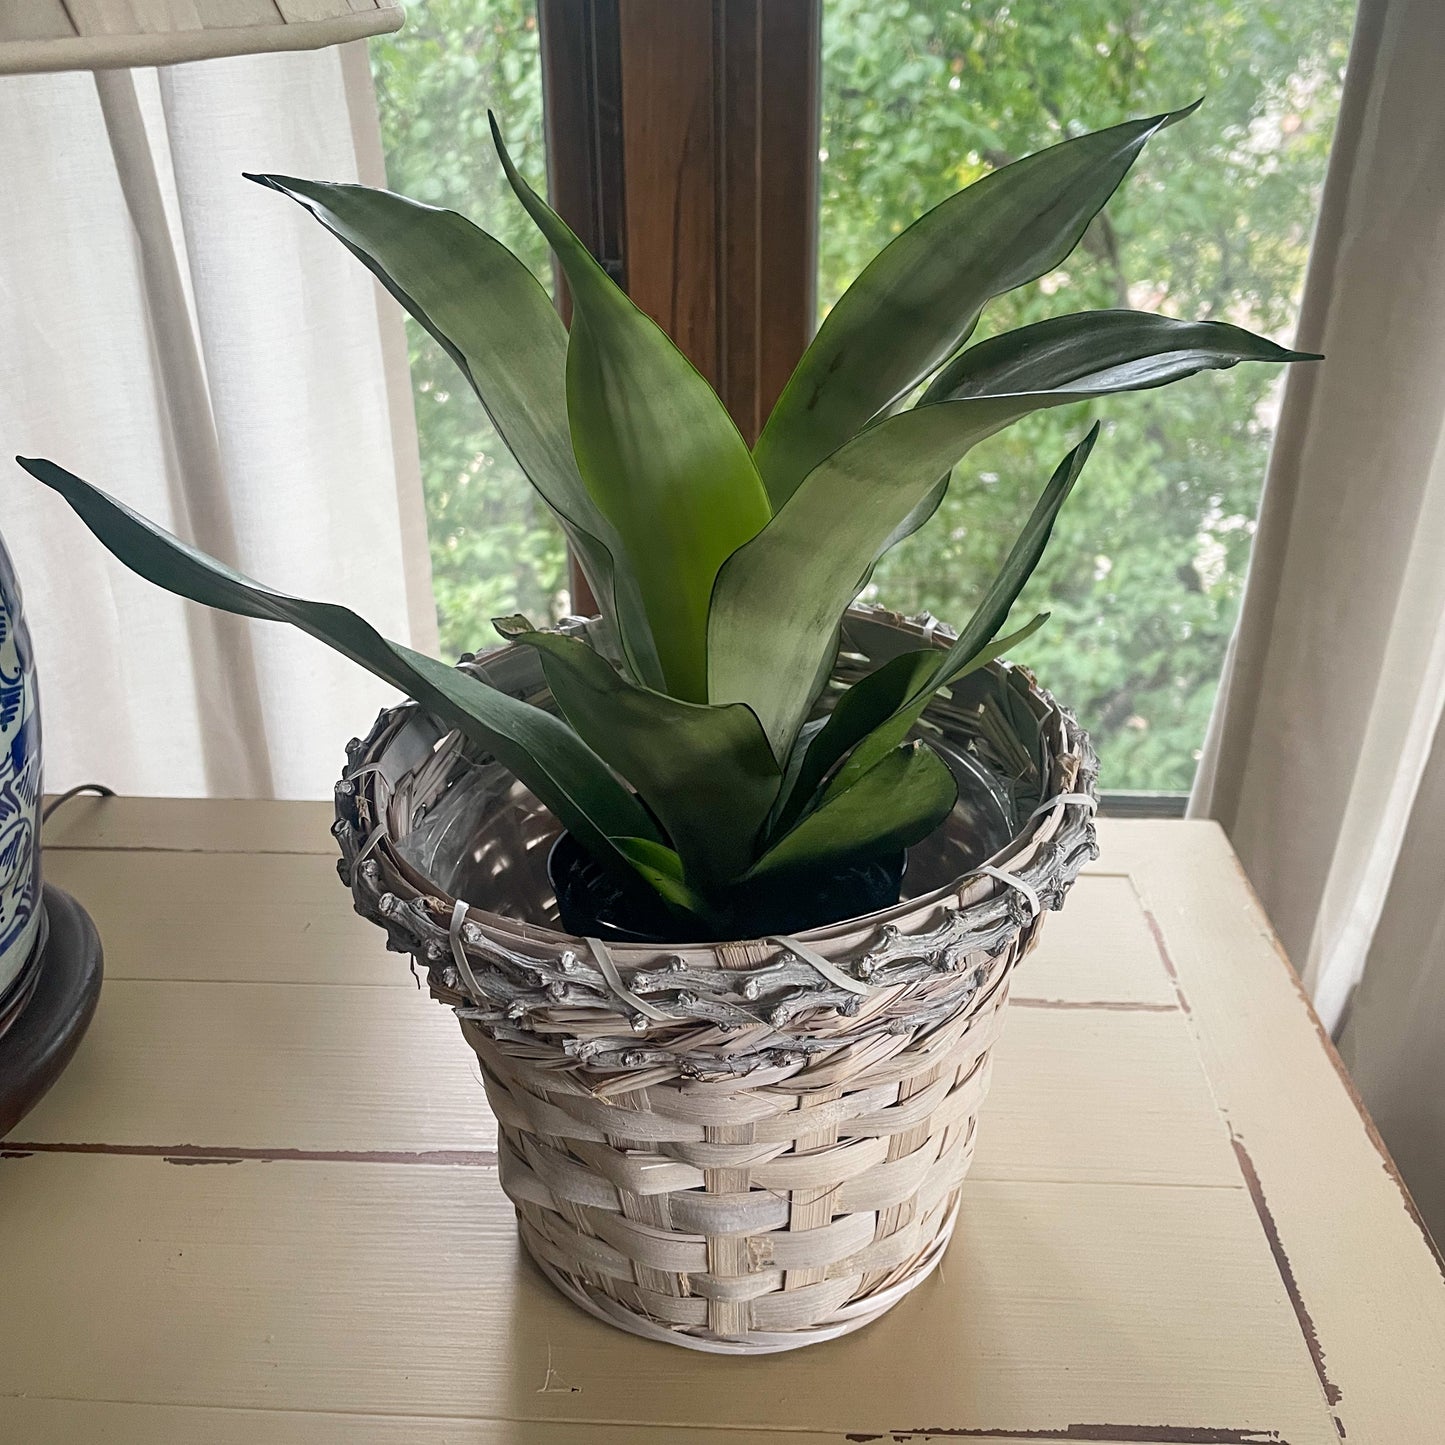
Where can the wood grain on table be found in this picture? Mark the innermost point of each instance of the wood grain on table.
(262, 1204)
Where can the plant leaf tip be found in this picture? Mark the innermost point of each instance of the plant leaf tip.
(1173, 117)
(503, 155)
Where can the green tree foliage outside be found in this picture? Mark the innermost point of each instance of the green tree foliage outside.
(920, 97)
(495, 550)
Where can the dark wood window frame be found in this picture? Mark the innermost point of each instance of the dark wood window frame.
(682, 147)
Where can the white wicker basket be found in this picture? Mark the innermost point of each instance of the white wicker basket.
(748, 1146)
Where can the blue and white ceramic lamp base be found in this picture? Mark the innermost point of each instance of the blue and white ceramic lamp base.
(20, 897)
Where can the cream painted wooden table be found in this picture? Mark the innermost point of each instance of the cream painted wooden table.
(262, 1204)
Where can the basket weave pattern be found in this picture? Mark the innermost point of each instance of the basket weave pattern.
(739, 1147)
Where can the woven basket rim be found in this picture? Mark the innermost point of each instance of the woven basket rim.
(983, 886)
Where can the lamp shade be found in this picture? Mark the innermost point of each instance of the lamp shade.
(103, 34)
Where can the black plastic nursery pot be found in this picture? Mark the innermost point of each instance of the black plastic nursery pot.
(738, 1145)
(596, 902)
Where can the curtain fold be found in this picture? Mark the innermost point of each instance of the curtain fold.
(1323, 760)
(204, 351)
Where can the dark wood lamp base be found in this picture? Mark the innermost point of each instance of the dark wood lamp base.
(62, 983)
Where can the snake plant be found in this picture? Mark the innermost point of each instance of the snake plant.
(683, 749)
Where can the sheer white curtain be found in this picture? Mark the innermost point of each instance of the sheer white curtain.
(202, 349)
(1325, 761)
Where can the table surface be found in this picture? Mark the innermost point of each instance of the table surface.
(262, 1204)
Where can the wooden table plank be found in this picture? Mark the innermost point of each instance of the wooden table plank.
(1179, 1229)
(262, 917)
(400, 1289)
(269, 1067)
(201, 825)
(1077, 1094)
(1098, 1095)
(1367, 1284)
(1098, 949)
(66, 1422)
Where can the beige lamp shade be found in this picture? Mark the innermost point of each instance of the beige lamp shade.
(102, 34)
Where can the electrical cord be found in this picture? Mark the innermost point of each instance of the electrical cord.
(99, 789)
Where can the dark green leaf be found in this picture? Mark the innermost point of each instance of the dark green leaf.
(778, 598)
(540, 749)
(707, 773)
(895, 805)
(877, 713)
(1103, 351)
(1023, 557)
(922, 511)
(489, 314)
(782, 816)
(657, 450)
(894, 727)
(662, 868)
(857, 712)
(1100, 351)
(920, 298)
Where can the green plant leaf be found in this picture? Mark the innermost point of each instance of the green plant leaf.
(777, 823)
(707, 773)
(993, 608)
(896, 804)
(895, 727)
(1098, 352)
(542, 750)
(662, 868)
(489, 314)
(857, 712)
(657, 450)
(919, 299)
(922, 511)
(778, 598)
(877, 713)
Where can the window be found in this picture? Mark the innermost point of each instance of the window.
(919, 97)
(1145, 571)
(494, 548)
